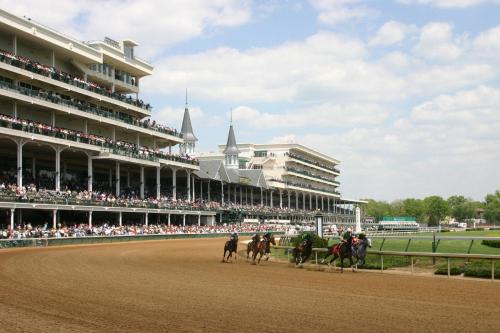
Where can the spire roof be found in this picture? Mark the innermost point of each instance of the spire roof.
(187, 128)
(231, 147)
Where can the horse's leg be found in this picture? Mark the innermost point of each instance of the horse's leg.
(224, 256)
(352, 263)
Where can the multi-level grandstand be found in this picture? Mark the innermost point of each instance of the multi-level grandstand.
(78, 145)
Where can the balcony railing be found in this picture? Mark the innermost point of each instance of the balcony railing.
(52, 72)
(321, 165)
(306, 186)
(116, 147)
(310, 174)
(55, 98)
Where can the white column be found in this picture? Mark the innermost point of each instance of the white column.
(310, 201)
(281, 199)
(296, 200)
(261, 197)
(58, 168)
(120, 219)
(54, 218)
(303, 201)
(184, 220)
(12, 211)
(20, 144)
(90, 219)
(117, 179)
(14, 45)
(15, 109)
(241, 195)
(174, 184)
(289, 199)
(113, 134)
(53, 119)
(235, 193)
(188, 182)
(222, 192)
(358, 219)
(128, 176)
(89, 173)
(138, 141)
(168, 219)
(158, 183)
(251, 196)
(146, 219)
(317, 206)
(272, 199)
(199, 220)
(328, 204)
(142, 182)
(53, 59)
(86, 127)
(322, 204)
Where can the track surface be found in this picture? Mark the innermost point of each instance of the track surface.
(181, 286)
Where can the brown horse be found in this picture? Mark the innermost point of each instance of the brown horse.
(230, 247)
(262, 248)
(302, 252)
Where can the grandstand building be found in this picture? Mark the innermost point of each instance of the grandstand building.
(68, 120)
(78, 145)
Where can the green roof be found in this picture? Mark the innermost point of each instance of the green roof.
(399, 219)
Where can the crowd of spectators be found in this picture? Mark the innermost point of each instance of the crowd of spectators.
(131, 198)
(116, 146)
(84, 230)
(52, 72)
(81, 105)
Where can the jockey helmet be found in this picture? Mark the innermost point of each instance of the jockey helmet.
(349, 229)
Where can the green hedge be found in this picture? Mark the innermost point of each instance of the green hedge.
(481, 269)
(491, 243)
(454, 270)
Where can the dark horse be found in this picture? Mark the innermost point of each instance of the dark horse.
(302, 251)
(230, 246)
(261, 248)
(343, 251)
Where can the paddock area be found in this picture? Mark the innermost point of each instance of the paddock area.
(181, 285)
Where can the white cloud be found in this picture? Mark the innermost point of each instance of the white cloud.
(445, 146)
(487, 44)
(155, 24)
(332, 12)
(391, 32)
(324, 115)
(436, 42)
(448, 3)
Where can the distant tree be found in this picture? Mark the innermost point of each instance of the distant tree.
(377, 209)
(397, 208)
(414, 207)
(492, 207)
(436, 208)
(461, 208)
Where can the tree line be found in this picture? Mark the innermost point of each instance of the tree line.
(431, 210)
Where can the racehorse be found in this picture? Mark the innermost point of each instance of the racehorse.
(360, 250)
(302, 251)
(230, 246)
(262, 248)
(343, 250)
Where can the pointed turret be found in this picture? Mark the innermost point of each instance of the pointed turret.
(187, 133)
(231, 151)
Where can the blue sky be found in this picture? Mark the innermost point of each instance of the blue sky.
(406, 93)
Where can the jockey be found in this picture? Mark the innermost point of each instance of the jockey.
(233, 236)
(256, 238)
(347, 237)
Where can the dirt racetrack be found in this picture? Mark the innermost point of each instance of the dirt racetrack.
(181, 286)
